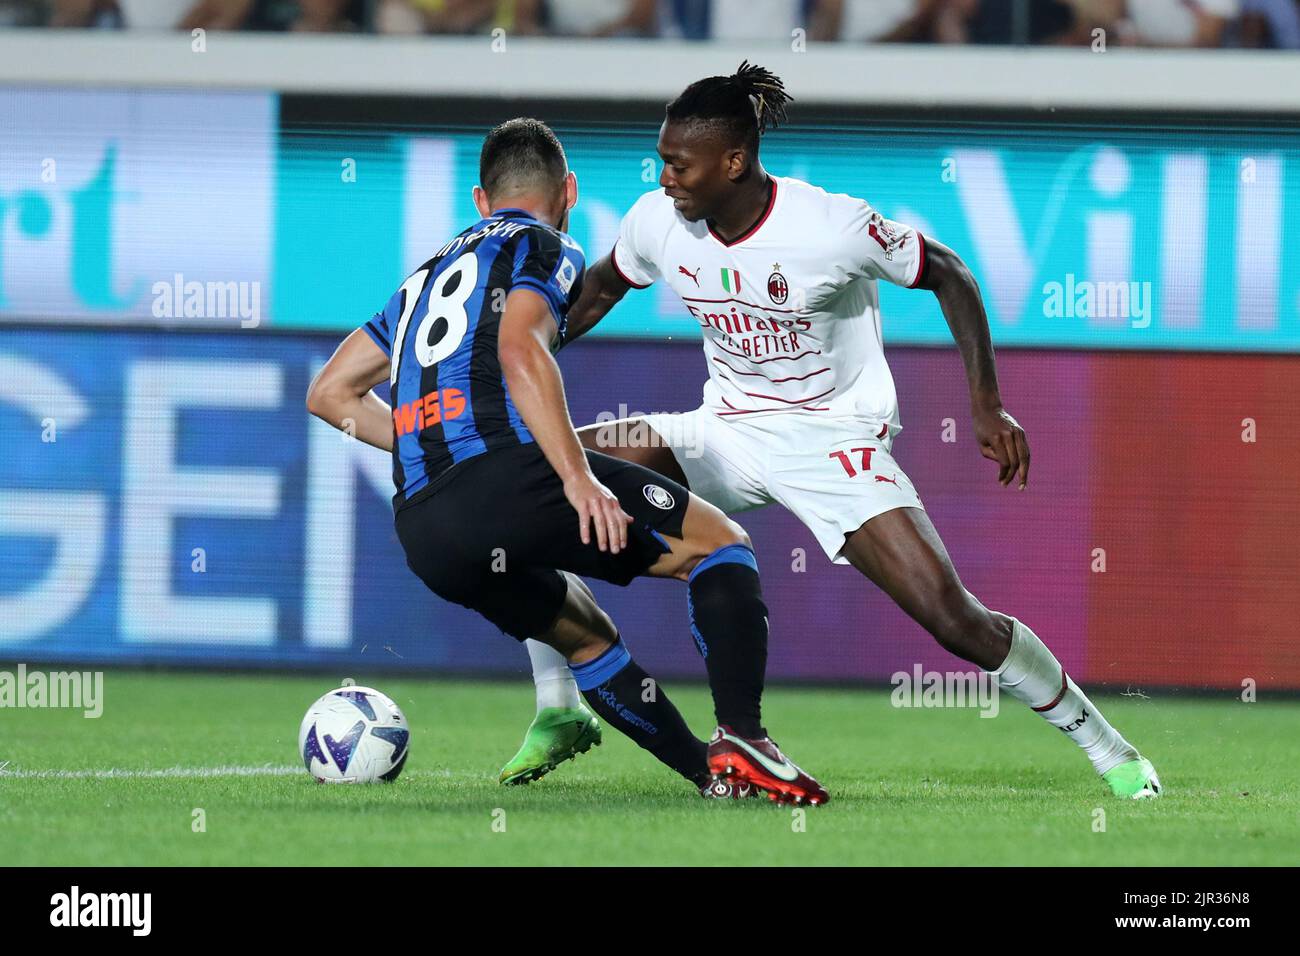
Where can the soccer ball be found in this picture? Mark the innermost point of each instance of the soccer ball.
(354, 735)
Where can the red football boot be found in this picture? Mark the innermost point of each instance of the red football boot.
(760, 763)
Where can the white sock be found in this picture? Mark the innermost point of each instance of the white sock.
(1031, 673)
(555, 685)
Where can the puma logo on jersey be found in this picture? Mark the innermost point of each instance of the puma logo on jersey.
(693, 276)
(892, 481)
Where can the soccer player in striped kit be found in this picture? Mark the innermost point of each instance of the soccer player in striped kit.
(487, 466)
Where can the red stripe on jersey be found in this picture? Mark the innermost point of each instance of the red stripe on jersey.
(884, 430)
(752, 411)
(775, 358)
(774, 381)
(791, 401)
(755, 411)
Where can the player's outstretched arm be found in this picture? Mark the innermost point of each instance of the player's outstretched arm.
(1000, 436)
(533, 380)
(602, 289)
(341, 394)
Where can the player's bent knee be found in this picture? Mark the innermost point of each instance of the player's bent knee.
(706, 542)
(587, 650)
(708, 529)
(579, 589)
(723, 535)
(738, 535)
(582, 626)
(581, 637)
(962, 624)
(603, 629)
(737, 551)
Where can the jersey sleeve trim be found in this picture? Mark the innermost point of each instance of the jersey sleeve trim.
(378, 337)
(527, 282)
(920, 261)
(613, 258)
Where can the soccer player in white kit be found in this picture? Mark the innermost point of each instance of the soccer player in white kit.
(800, 407)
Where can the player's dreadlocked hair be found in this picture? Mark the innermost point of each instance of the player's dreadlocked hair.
(746, 104)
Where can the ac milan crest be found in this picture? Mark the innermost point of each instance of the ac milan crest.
(778, 290)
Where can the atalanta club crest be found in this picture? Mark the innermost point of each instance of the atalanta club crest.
(661, 498)
(778, 290)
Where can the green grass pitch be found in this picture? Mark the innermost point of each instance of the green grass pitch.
(908, 786)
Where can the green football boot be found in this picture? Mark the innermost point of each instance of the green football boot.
(556, 734)
(1133, 780)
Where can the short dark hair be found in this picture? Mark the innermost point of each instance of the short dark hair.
(742, 106)
(520, 155)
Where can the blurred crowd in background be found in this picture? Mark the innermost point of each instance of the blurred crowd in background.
(1155, 23)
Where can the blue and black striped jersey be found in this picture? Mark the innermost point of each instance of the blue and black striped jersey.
(448, 393)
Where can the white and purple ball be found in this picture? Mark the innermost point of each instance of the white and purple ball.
(354, 735)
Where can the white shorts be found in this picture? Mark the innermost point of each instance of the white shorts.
(833, 474)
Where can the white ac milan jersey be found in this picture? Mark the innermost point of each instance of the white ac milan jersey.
(789, 310)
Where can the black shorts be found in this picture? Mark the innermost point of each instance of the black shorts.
(494, 531)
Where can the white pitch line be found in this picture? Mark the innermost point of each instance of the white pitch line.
(183, 773)
(193, 773)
